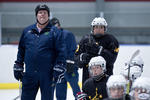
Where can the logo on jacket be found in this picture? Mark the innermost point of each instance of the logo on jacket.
(46, 33)
(29, 31)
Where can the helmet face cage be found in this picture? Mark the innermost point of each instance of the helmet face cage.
(42, 7)
(99, 21)
(136, 68)
(143, 93)
(137, 63)
(135, 72)
(121, 92)
(141, 86)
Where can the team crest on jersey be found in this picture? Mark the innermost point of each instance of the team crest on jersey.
(46, 33)
(97, 96)
(77, 48)
(116, 50)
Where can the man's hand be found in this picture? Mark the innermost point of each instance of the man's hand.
(85, 58)
(18, 71)
(58, 73)
(70, 65)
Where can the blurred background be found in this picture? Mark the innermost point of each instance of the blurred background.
(128, 20)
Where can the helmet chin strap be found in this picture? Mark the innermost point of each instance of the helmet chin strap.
(43, 23)
(117, 99)
(120, 98)
(98, 77)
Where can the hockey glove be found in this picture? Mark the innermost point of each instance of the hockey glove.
(81, 96)
(85, 58)
(93, 49)
(70, 64)
(58, 73)
(18, 71)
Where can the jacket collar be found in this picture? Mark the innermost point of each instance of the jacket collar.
(35, 29)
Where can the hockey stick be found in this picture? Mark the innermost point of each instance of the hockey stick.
(20, 91)
(129, 65)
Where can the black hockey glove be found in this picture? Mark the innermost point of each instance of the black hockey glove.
(58, 73)
(81, 96)
(18, 72)
(70, 65)
(85, 58)
(93, 49)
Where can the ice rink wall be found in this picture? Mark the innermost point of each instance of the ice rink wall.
(127, 19)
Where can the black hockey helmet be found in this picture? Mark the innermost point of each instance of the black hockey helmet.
(42, 7)
(54, 21)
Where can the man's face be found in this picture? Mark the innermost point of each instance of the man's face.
(116, 92)
(42, 16)
(96, 70)
(98, 30)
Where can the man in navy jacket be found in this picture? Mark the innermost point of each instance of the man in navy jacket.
(42, 50)
(71, 74)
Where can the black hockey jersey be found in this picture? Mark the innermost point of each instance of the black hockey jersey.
(110, 51)
(96, 89)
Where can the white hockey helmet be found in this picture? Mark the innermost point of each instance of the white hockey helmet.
(117, 82)
(142, 82)
(142, 86)
(136, 68)
(98, 60)
(138, 61)
(99, 21)
(135, 72)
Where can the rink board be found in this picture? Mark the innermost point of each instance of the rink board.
(8, 55)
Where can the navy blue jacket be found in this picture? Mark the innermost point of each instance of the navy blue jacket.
(40, 51)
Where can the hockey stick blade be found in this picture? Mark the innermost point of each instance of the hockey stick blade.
(134, 55)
